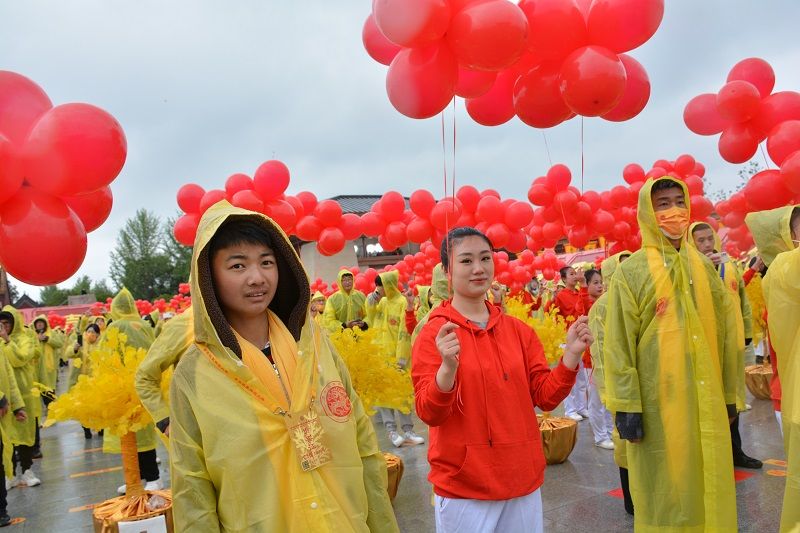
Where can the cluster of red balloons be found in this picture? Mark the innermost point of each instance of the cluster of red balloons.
(542, 60)
(56, 321)
(56, 165)
(176, 304)
(746, 112)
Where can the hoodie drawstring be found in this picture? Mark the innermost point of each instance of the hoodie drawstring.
(485, 395)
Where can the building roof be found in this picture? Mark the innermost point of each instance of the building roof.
(359, 203)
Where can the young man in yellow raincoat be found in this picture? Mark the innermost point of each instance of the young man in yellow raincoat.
(777, 235)
(50, 344)
(176, 337)
(266, 431)
(346, 307)
(20, 351)
(597, 321)
(11, 409)
(708, 243)
(670, 355)
(386, 313)
(126, 320)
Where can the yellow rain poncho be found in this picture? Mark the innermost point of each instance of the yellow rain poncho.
(10, 392)
(343, 307)
(20, 351)
(139, 334)
(440, 291)
(49, 353)
(733, 282)
(389, 318)
(234, 466)
(669, 356)
(176, 337)
(781, 285)
(597, 320)
(423, 308)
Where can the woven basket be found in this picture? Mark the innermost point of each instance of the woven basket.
(394, 466)
(757, 378)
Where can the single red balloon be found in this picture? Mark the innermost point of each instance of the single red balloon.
(559, 177)
(11, 174)
(350, 226)
(185, 229)
(74, 149)
(766, 190)
(331, 241)
(497, 105)
(309, 201)
(392, 206)
(555, 27)
(372, 224)
(684, 164)
(42, 242)
(236, 183)
(738, 101)
(622, 25)
(22, 103)
(537, 97)
(247, 199)
(412, 23)
(636, 93)
(592, 80)
(422, 81)
(469, 197)
(329, 212)
(592, 198)
(701, 116)
(738, 143)
(422, 203)
(92, 208)
(490, 210)
(755, 71)
(790, 172)
(308, 228)
(189, 197)
(540, 194)
(271, 180)
(474, 83)
(419, 230)
(489, 35)
(518, 215)
(633, 173)
(783, 140)
(376, 44)
(210, 198)
(775, 108)
(603, 221)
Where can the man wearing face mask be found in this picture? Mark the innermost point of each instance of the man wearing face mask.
(670, 353)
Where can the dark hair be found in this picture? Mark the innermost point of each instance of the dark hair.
(752, 262)
(700, 227)
(348, 274)
(93, 327)
(665, 183)
(238, 231)
(794, 218)
(454, 237)
(563, 271)
(378, 281)
(623, 256)
(589, 274)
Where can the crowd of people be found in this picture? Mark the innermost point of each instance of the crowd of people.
(266, 432)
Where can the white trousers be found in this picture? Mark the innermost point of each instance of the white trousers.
(518, 515)
(599, 417)
(577, 401)
(780, 421)
(389, 416)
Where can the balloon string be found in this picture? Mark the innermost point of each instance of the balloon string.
(582, 157)
(453, 168)
(764, 155)
(547, 149)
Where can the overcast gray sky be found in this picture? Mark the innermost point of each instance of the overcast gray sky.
(205, 89)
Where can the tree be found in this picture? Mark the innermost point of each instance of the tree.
(101, 290)
(745, 173)
(141, 261)
(13, 292)
(179, 255)
(52, 296)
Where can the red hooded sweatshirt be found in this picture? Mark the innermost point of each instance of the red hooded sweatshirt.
(484, 436)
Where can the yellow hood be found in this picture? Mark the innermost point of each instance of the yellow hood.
(318, 296)
(651, 233)
(390, 281)
(292, 296)
(440, 286)
(19, 322)
(123, 306)
(609, 265)
(46, 323)
(771, 231)
(343, 272)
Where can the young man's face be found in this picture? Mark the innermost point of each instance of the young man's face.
(90, 336)
(380, 291)
(704, 240)
(667, 198)
(245, 279)
(347, 283)
(7, 325)
(40, 326)
(472, 267)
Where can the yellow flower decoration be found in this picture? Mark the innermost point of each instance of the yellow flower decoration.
(550, 327)
(106, 398)
(376, 378)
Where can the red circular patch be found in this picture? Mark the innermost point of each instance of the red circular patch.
(336, 401)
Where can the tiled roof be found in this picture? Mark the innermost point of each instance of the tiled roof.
(358, 203)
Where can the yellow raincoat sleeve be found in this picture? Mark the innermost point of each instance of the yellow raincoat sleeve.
(732, 357)
(329, 319)
(747, 311)
(597, 318)
(620, 348)
(14, 396)
(165, 352)
(19, 351)
(381, 514)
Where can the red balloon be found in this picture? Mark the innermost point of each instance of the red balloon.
(490, 192)
(11, 175)
(701, 116)
(22, 103)
(699, 169)
(555, 27)
(497, 105)
(695, 185)
(790, 172)
(518, 215)
(42, 242)
(488, 36)
(331, 241)
(722, 208)
(422, 203)
(376, 44)
(395, 233)
(189, 197)
(517, 242)
(537, 97)
(622, 25)
(701, 207)
(210, 198)
(592, 198)
(784, 140)
(582, 214)
(74, 149)
(602, 221)
(392, 206)
(444, 215)
(236, 183)
(372, 224)
(738, 101)
(329, 212)
(308, 228)
(621, 231)
(490, 210)
(566, 201)
(684, 164)
(559, 177)
(578, 236)
(185, 229)
(412, 22)
(738, 143)
(766, 190)
(776, 108)
(474, 83)
(422, 81)
(419, 230)
(249, 200)
(552, 231)
(282, 213)
(498, 235)
(620, 196)
(755, 71)
(92, 208)
(297, 205)
(540, 195)
(469, 197)
(271, 180)
(592, 80)
(734, 219)
(636, 93)
(737, 202)
(309, 201)
(633, 173)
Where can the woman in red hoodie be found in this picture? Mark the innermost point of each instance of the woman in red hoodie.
(478, 374)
